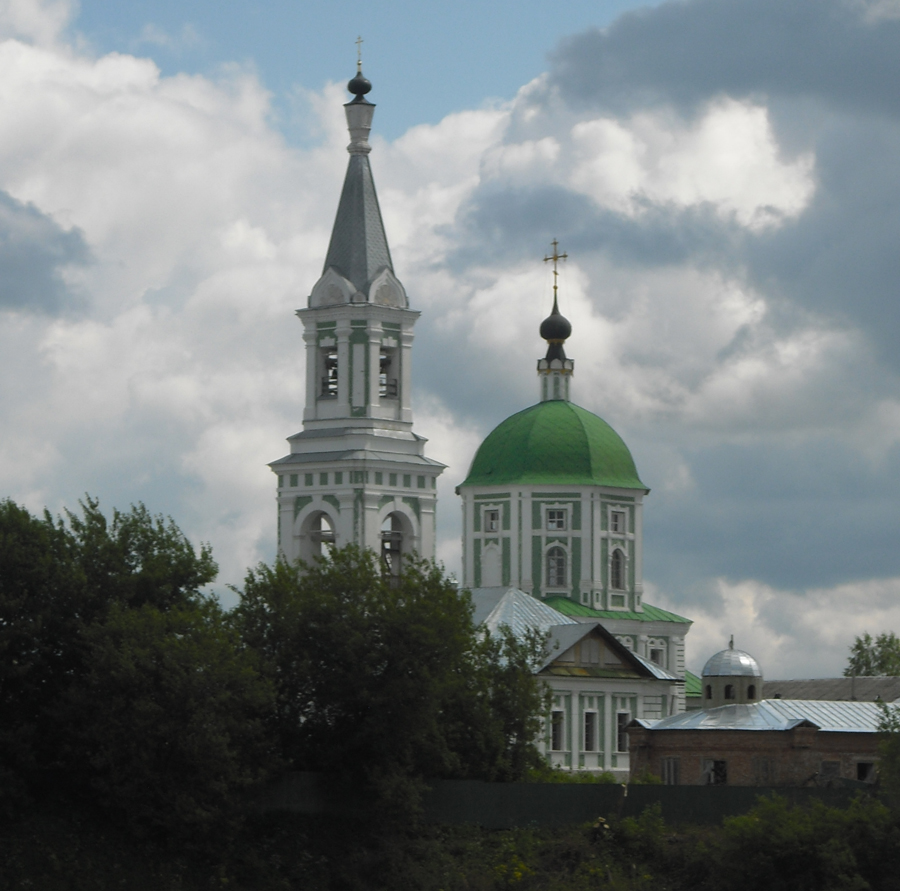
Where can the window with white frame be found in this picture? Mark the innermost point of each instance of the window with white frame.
(617, 521)
(623, 719)
(556, 567)
(617, 570)
(656, 651)
(492, 520)
(590, 731)
(557, 519)
(557, 730)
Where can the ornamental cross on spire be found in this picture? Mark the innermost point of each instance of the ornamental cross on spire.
(556, 256)
(359, 43)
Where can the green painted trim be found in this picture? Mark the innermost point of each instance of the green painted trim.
(391, 326)
(505, 577)
(332, 500)
(300, 502)
(358, 323)
(537, 563)
(414, 504)
(385, 499)
(576, 516)
(326, 326)
(576, 566)
(477, 557)
(506, 516)
(495, 497)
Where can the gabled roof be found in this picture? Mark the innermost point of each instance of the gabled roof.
(777, 714)
(520, 611)
(358, 248)
(580, 611)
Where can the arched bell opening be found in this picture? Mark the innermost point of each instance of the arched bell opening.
(397, 542)
(317, 536)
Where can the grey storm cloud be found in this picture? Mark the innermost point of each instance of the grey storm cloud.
(682, 53)
(34, 249)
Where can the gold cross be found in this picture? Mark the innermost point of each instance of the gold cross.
(359, 43)
(556, 256)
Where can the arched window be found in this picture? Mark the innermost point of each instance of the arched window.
(556, 568)
(617, 570)
(317, 537)
(729, 691)
(392, 544)
(708, 691)
(751, 691)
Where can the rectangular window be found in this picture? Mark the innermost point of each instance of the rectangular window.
(339, 478)
(293, 480)
(359, 476)
(280, 480)
(329, 388)
(763, 771)
(323, 479)
(617, 600)
(622, 721)
(715, 773)
(308, 479)
(392, 479)
(656, 656)
(670, 771)
(617, 521)
(557, 726)
(492, 521)
(556, 520)
(865, 771)
(407, 481)
(420, 482)
(379, 478)
(590, 731)
(387, 375)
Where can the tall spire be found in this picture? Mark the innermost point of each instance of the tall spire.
(358, 252)
(555, 370)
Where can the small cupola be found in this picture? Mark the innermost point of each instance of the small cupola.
(731, 677)
(555, 370)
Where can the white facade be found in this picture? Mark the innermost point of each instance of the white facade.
(357, 473)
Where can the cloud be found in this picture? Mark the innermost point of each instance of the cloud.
(727, 197)
(35, 256)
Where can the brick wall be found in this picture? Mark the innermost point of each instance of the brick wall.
(752, 757)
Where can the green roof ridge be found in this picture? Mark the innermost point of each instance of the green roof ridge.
(650, 613)
(554, 443)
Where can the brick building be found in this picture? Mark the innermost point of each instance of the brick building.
(775, 742)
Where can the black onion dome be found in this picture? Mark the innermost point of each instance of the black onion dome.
(556, 327)
(359, 86)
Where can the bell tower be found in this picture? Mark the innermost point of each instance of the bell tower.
(357, 473)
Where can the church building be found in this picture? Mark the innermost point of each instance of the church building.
(552, 504)
(357, 473)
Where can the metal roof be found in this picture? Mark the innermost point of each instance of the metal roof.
(358, 248)
(554, 442)
(777, 714)
(731, 663)
(863, 689)
(656, 670)
(516, 609)
(581, 612)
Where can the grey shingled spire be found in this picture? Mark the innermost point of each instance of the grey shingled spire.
(359, 248)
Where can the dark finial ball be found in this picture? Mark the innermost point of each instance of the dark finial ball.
(359, 86)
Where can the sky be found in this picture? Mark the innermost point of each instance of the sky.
(721, 173)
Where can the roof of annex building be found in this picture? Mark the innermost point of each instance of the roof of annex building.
(516, 609)
(584, 613)
(862, 689)
(777, 714)
(554, 443)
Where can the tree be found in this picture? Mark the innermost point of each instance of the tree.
(878, 657)
(122, 682)
(387, 681)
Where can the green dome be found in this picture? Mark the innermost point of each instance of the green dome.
(552, 443)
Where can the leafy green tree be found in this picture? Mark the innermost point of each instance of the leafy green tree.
(120, 680)
(388, 681)
(878, 657)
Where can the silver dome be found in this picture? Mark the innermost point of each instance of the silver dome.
(732, 663)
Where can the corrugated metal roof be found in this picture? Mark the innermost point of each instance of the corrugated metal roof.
(863, 689)
(650, 613)
(520, 611)
(778, 714)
